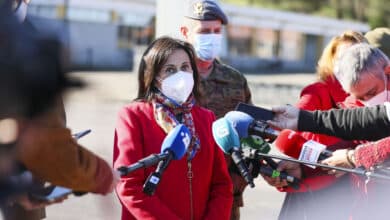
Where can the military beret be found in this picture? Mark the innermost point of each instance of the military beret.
(380, 38)
(205, 11)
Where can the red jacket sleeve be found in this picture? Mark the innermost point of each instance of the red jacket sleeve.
(221, 195)
(128, 150)
(373, 153)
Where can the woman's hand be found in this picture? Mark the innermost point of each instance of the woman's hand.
(291, 168)
(340, 158)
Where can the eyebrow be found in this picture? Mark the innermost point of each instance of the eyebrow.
(169, 65)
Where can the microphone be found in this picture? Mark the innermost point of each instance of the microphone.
(227, 139)
(246, 125)
(174, 146)
(253, 145)
(294, 145)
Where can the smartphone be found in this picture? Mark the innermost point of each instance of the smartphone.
(51, 193)
(81, 134)
(258, 113)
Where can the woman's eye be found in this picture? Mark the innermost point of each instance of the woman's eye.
(185, 68)
(170, 70)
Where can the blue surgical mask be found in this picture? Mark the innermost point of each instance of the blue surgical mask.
(207, 46)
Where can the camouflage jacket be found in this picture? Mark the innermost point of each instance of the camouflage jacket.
(223, 89)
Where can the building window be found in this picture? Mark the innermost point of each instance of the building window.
(43, 11)
(89, 15)
(129, 36)
(291, 45)
(239, 40)
(265, 43)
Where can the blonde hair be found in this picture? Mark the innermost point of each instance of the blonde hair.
(325, 64)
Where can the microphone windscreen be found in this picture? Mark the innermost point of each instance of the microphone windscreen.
(240, 122)
(224, 135)
(290, 143)
(255, 142)
(177, 141)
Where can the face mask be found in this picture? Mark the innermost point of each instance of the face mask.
(178, 86)
(207, 46)
(21, 11)
(379, 98)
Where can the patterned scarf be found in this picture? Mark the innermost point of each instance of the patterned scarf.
(166, 112)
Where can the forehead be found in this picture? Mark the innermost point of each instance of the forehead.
(366, 83)
(200, 24)
(178, 56)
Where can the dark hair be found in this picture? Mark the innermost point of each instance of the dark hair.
(152, 61)
(31, 69)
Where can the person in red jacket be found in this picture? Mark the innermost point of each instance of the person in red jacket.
(196, 187)
(317, 185)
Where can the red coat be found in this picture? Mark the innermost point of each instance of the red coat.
(137, 135)
(319, 96)
(373, 153)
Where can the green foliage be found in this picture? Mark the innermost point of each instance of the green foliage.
(375, 12)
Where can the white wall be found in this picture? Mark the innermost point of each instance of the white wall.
(169, 17)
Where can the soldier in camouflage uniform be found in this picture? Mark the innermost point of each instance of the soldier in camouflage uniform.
(222, 87)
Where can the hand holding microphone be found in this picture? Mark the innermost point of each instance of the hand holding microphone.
(245, 125)
(286, 117)
(289, 168)
(340, 158)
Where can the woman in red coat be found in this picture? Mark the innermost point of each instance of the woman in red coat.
(319, 191)
(196, 187)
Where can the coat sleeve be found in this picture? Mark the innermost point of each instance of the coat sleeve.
(374, 153)
(370, 123)
(128, 150)
(309, 99)
(50, 152)
(221, 195)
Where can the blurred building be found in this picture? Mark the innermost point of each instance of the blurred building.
(111, 34)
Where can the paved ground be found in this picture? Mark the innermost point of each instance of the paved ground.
(96, 107)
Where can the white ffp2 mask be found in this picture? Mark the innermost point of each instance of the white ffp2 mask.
(178, 86)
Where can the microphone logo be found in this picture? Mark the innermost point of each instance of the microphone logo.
(154, 180)
(222, 131)
(292, 133)
(186, 139)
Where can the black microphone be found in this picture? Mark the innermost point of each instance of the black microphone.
(246, 125)
(229, 142)
(174, 147)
